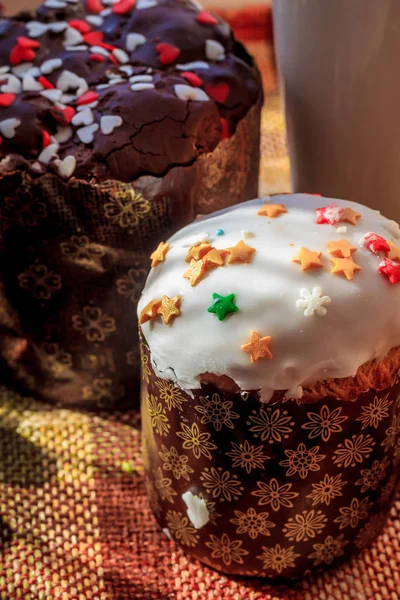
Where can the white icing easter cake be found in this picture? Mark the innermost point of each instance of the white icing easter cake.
(276, 293)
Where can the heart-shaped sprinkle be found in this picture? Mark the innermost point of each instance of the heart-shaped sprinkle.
(25, 42)
(29, 84)
(55, 4)
(99, 50)
(85, 117)
(93, 38)
(206, 18)
(48, 66)
(88, 97)
(7, 99)
(123, 6)
(52, 95)
(80, 48)
(68, 80)
(218, 91)
(109, 122)
(141, 78)
(86, 134)
(19, 55)
(13, 85)
(35, 28)
(94, 6)
(106, 12)
(167, 53)
(197, 64)
(97, 57)
(63, 134)
(85, 106)
(26, 69)
(72, 37)
(95, 20)
(127, 69)
(57, 27)
(133, 40)
(79, 25)
(8, 127)
(66, 167)
(141, 87)
(121, 56)
(48, 153)
(45, 83)
(186, 92)
(214, 50)
(62, 115)
(192, 78)
(143, 4)
(45, 139)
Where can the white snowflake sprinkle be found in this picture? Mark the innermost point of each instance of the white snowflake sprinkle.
(313, 302)
(197, 510)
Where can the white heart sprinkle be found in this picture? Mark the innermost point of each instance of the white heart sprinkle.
(33, 72)
(52, 95)
(57, 27)
(48, 66)
(66, 166)
(83, 87)
(72, 37)
(76, 48)
(36, 29)
(48, 153)
(141, 87)
(142, 4)
(140, 78)
(106, 12)
(68, 80)
(85, 117)
(4, 70)
(8, 127)
(86, 134)
(109, 123)
(29, 84)
(63, 134)
(23, 69)
(85, 106)
(102, 86)
(95, 20)
(133, 40)
(186, 92)
(121, 56)
(99, 50)
(68, 98)
(117, 80)
(197, 64)
(13, 85)
(127, 69)
(214, 50)
(55, 4)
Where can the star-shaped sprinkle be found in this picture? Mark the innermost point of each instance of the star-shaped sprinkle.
(214, 258)
(272, 210)
(223, 305)
(345, 266)
(394, 253)
(169, 308)
(308, 259)
(195, 272)
(349, 216)
(257, 347)
(150, 311)
(240, 253)
(329, 214)
(341, 249)
(391, 269)
(313, 302)
(158, 256)
(198, 251)
(376, 243)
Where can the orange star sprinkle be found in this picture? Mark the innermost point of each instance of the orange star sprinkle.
(170, 308)
(345, 266)
(150, 311)
(349, 216)
(214, 258)
(342, 248)
(240, 253)
(195, 272)
(308, 259)
(394, 253)
(272, 210)
(159, 253)
(257, 347)
(197, 252)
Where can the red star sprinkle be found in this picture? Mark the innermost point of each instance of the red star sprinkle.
(123, 6)
(391, 269)
(225, 129)
(192, 78)
(6, 99)
(97, 57)
(93, 38)
(167, 53)
(87, 98)
(46, 83)
(206, 18)
(25, 42)
(94, 6)
(329, 214)
(376, 243)
(218, 92)
(79, 25)
(45, 139)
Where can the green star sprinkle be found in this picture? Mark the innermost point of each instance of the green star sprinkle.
(223, 305)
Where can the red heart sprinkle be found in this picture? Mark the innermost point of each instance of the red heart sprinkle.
(376, 243)
(18, 55)
(87, 98)
(62, 115)
(94, 6)
(46, 83)
(112, 59)
(106, 46)
(218, 92)
(45, 139)
(24, 42)
(123, 6)
(6, 99)
(192, 78)
(225, 129)
(206, 18)
(79, 25)
(391, 269)
(97, 57)
(167, 53)
(93, 38)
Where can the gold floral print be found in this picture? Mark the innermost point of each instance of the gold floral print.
(181, 528)
(144, 361)
(274, 494)
(221, 484)
(211, 507)
(127, 208)
(330, 549)
(353, 451)
(247, 456)
(163, 485)
(301, 461)
(102, 389)
(306, 525)
(223, 548)
(130, 285)
(56, 360)
(327, 489)
(170, 394)
(40, 281)
(387, 490)
(195, 441)
(351, 515)
(271, 425)
(391, 433)
(277, 558)
(370, 531)
(94, 324)
(370, 478)
(216, 411)
(158, 416)
(175, 462)
(324, 423)
(375, 412)
(252, 523)
(81, 250)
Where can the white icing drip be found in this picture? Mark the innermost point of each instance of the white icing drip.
(362, 321)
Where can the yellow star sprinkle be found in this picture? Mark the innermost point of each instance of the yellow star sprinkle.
(349, 216)
(341, 249)
(214, 258)
(197, 252)
(394, 253)
(344, 266)
(195, 272)
(240, 253)
(257, 347)
(272, 210)
(149, 311)
(159, 253)
(170, 308)
(307, 259)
